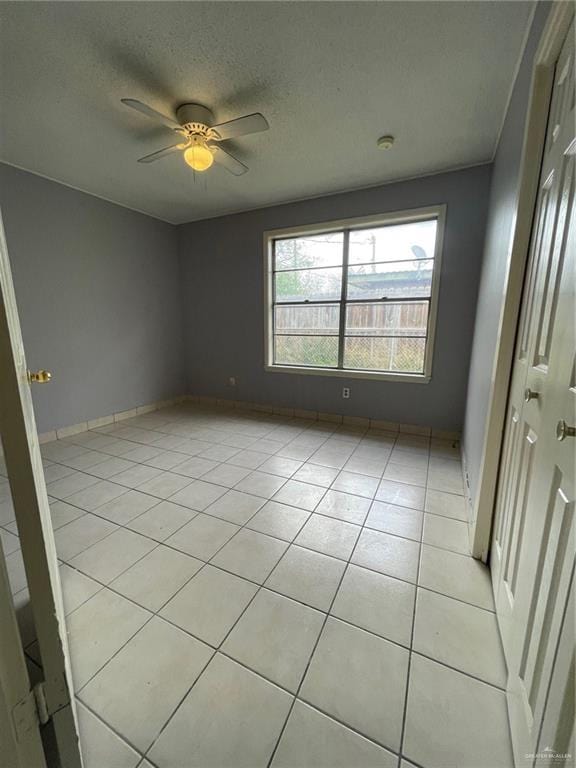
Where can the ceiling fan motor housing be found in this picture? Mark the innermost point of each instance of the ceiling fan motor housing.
(195, 117)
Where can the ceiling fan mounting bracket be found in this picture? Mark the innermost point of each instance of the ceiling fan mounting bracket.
(189, 115)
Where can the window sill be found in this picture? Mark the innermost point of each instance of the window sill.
(412, 378)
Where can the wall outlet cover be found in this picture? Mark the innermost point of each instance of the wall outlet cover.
(346, 393)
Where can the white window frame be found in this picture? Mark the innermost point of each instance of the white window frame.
(437, 212)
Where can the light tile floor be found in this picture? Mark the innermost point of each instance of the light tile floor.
(246, 590)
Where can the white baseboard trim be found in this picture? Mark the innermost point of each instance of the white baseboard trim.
(358, 421)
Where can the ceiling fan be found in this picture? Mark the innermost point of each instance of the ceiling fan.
(198, 137)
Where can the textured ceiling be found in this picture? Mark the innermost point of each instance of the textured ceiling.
(330, 77)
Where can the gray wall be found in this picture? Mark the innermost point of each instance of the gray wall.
(222, 263)
(96, 287)
(501, 216)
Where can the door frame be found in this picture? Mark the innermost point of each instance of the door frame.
(553, 37)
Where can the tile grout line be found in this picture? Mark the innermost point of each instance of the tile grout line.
(410, 651)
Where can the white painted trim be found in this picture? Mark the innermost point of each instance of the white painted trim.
(535, 131)
(437, 212)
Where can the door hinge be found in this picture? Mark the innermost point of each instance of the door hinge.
(30, 711)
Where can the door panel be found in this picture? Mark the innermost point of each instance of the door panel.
(533, 556)
(26, 476)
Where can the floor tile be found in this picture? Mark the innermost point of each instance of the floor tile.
(162, 520)
(275, 637)
(376, 602)
(316, 475)
(219, 453)
(136, 475)
(100, 745)
(210, 604)
(107, 559)
(251, 555)
(203, 536)
(446, 478)
(56, 472)
(98, 629)
(261, 484)
(10, 542)
(401, 521)
(96, 495)
(236, 507)
(249, 459)
(198, 495)
(156, 578)
(301, 495)
(344, 506)
(66, 486)
(368, 691)
(457, 576)
(126, 507)
(401, 473)
(453, 719)
(315, 740)
(164, 485)
(62, 513)
(226, 474)
(279, 520)
(460, 635)
(153, 671)
(387, 554)
(355, 483)
(307, 576)
(76, 588)
(329, 536)
(80, 534)
(281, 466)
(446, 504)
(235, 715)
(365, 466)
(401, 494)
(446, 533)
(16, 571)
(167, 459)
(195, 467)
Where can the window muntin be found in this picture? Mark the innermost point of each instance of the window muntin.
(356, 298)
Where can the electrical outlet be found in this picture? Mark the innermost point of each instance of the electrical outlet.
(232, 381)
(346, 393)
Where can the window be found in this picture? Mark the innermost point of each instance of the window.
(355, 298)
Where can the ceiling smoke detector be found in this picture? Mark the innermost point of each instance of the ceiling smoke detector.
(385, 142)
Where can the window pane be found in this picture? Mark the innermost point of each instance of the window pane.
(308, 284)
(410, 319)
(396, 242)
(385, 354)
(318, 351)
(306, 252)
(315, 319)
(401, 279)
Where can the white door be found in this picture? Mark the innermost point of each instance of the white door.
(24, 463)
(533, 551)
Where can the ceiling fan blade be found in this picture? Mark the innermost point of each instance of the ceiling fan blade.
(226, 160)
(161, 153)
(169, 122)
(241, 126)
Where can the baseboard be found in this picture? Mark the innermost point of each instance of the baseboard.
(336, 418)
(242, 405)
(103, 421)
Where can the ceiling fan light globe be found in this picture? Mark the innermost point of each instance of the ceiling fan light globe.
(199, 157)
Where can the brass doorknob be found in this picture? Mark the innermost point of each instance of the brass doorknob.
(39, 377)
(563, 430)
(529, 394)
